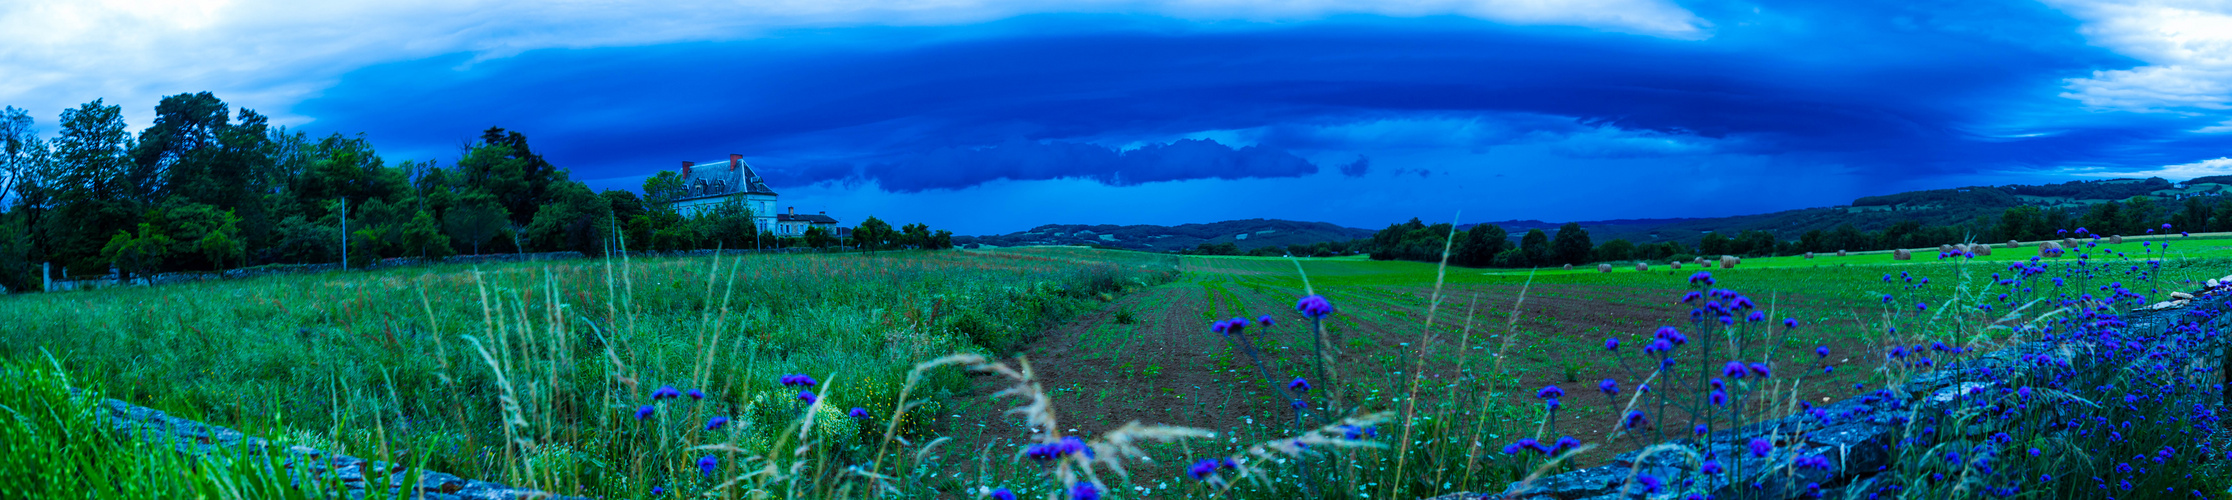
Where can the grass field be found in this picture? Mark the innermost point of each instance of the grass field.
(541, 375)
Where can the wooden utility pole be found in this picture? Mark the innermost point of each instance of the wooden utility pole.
(344, 233)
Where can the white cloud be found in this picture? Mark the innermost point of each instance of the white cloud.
(2179, 172)
(2186, 45)
(269, 54)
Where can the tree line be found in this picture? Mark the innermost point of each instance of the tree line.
(1489, 245)
(206, 188)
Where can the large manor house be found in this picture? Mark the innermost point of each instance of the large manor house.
(705, 186)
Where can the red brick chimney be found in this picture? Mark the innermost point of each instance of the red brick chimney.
(793, 211)
(734, 161)
(686, 168)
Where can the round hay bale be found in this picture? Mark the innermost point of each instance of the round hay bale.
(1604, 268)
(1641, 266)
(1840, 253)
(2069, 243)
(2014, 244)
(1700, 260)
(1981, 250)
(2117, 239)
(1677, 265)
(2049, 249)
(1945, 249)
(1569, 267)
(1729, 261)
(1902, 254)
(1809, 255)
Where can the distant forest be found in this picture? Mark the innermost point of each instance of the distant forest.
(204, 188)
(1487, 245)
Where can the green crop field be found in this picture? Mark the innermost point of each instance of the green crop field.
(541, 375)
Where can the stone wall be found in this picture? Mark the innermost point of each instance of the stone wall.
(281, 269)
(303, 464)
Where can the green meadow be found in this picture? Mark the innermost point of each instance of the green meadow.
(541, 375)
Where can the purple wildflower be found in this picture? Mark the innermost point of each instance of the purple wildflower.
(1734, 369)
(1299, 385)
(807, 396)
(1611, 345)
(1821, 352)
(1651, 484)
(1550, 392)
(1760, 447)
(665, 392)
(1314, 306)
(1001, 494)
(1609, 387)
(1202, 469)
(644, 412)
(716, 422)
(858, 413)
(707, 463)
(697, 395)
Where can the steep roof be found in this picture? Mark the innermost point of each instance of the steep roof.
(715, 178)
(813, 218)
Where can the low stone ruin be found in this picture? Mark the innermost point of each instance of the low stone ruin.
(304, 465)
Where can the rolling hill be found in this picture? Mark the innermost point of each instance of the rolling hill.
(1247, 234)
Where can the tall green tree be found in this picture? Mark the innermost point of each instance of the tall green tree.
(91, 191)
(576, 220)
(1535, 246)
(1481, 244)
(1572, 245)
(874, 234)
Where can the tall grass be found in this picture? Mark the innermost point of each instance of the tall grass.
(800, 377)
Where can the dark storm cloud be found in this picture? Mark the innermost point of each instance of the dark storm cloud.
(1357, 168)
(1910, 92)
(957, 168)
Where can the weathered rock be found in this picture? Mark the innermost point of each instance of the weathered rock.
(301, 464)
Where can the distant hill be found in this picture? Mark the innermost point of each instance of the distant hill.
(1247, 234)
(1871, 213)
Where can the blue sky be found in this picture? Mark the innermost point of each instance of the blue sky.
(992, 116)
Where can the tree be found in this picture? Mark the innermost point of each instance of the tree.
(137, 253)
(1714, 244)
(817, 237)
(21, 152)
(576, 220)
(475, 220)
(915, 236)
(2023, 223)
(1572, 246)
(1617, 249)
(19, 271)
(875, 234)
(1481, 244)
(660, 191)
(730, 224)
(1755, 243)
(1535, 246)
(941, 239)
(88, 190)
